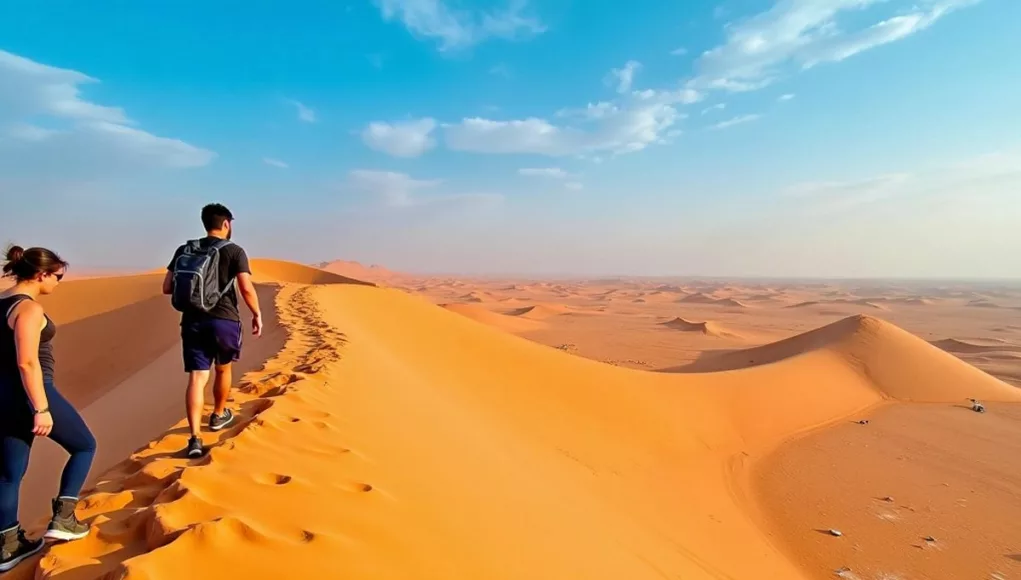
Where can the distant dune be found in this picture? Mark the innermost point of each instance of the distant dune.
(701, 298)
(983, 303)
(541, 311)
(898, 363)
(504, 322)
(278, 270)
(476, 297)
(964, 347)
(707, 328)
(837, 301)
(357, 271)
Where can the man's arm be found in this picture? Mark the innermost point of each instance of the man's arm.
(168, 282)
(248, 294)
(168, 279)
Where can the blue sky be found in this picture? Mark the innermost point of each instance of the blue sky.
(832, 138)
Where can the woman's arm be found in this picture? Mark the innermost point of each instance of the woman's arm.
(28, 324)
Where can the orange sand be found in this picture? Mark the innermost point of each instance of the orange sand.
(392, 438)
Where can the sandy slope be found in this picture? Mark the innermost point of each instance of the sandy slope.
(391, 438)
(915, 471)
(118, 360)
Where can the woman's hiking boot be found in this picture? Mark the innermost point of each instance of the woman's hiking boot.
(15, 547)
(65, 525)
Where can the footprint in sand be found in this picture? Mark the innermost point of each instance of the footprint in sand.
(272, 478)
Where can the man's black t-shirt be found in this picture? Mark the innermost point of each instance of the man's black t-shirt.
(233, 261)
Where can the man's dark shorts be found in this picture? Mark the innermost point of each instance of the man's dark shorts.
(214, 340)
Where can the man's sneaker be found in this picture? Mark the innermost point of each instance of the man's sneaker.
(65, 525)
(15, 547)
(195, 447)
(217, 422)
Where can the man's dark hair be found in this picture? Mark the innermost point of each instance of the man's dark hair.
(213, 216)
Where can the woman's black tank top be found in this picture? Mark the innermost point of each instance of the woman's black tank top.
(8, 349)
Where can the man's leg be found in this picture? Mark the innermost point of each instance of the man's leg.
(228, 349)
(195, 398)
(221, 387)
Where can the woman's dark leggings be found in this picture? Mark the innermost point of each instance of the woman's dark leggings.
(69, 431)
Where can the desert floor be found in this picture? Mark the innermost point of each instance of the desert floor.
(458, 428)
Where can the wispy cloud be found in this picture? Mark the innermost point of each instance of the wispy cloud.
(992, 174)
(785, 98)
(741, 120)
(399, 190)
(402, 138)
(551, 172)
(305, 113)
(679, 51)
(43, 117)
(630, 124)
(714, 108)
(461, 28)
(574, 186)
(275, 163)
(804, 33)
(624, 77)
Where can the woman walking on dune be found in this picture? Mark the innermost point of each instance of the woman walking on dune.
(30, 405)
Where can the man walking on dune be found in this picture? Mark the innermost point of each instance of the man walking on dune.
(203, 280)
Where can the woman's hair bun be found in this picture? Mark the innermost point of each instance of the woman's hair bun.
(15, 254)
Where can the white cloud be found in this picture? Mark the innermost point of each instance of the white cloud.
(399, 190)
(460, 28)
(638, 120)
(275, 163)
(624, 77)
(716, 107)
(305, 113)
(44, 117)
(784, 98)
(574, 186)
(679, 51)
(551, 172)
(804, 33)
(401, 139)
(736, 121)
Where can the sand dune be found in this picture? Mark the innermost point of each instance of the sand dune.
(350, 269)
(707, 328)
(856, 302)
(983, 303)
(476, 297)
(390, 438)
(501, 321)
(898, 364)
(541, 311)
(700, 298)
(961, 346)
(280, 271)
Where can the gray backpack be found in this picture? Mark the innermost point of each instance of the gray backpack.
(196, 277)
